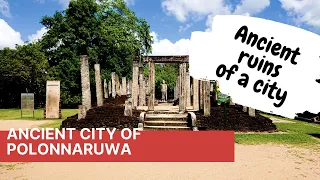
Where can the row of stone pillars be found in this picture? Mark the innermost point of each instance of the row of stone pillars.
(110, 89)
(200, 90)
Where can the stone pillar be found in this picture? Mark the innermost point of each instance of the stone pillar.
(82, 112)
(244, 108)
(206, 97)
(188, 93)
(85, 82)
(135, 85)
(105, 89)
(118, 85)
(182, 98)
(113, 84)
(142, 95)
(128, 106)
(124, 86)
(151, 86)
(175, 92)
(252, 112)
(98, 85)
(195, 88)
(231, 102)
(109, 88)
(178, 85)
(201, 93)
(146, 82)
(130, 88)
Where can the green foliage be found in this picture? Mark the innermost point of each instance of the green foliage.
(109, 33)
(22, 70)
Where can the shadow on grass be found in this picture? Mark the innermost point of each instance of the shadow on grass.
(315, 135)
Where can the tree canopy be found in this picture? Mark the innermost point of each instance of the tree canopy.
(108, 32)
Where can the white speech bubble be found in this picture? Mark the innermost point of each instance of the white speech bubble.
(295, 72)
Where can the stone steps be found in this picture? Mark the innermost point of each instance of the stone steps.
(167, 128)
(168, 121)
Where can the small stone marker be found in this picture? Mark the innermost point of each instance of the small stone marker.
(244, 108)
(128, 106)
(252, 112)
(82, 112)
(53, 99)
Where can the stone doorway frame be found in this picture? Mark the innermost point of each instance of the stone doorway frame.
(182, 60)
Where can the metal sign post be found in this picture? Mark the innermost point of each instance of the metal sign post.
(27, 103)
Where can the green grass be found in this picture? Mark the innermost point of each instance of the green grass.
(298, 134)
(15, 114)
(55, 124)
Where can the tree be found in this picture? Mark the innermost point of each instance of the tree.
(108, 32)
(22, 70)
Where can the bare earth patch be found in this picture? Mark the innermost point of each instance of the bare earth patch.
(252, 162)
(276, 120)
(7, 124)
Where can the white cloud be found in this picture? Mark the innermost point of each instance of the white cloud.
(306, 11)
(9, 37)
(64, 3)
(5, 8)
(38, 35)
(130, 2)
(184, 28)
(184, 10)
(166, 47)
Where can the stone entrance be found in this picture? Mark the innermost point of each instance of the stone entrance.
(182, 89)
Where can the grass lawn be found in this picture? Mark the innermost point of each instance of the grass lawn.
(298, 134)
(15, 114)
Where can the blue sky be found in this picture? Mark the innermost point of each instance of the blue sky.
(172, 21)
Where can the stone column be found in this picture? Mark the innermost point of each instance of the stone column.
(135, 85)
(85, 82)
(182, 98)
(142, 96)
(201, 93)
(105, 89)
(113, 84)
(118, 85)
(206, 97)
(98, 85)
(252, 112)
(109, 88)
(151, 86)
(195, 88)
(244, 108)
(188, 92)
(129, 84)
(82, 112)
(128, 106)
(124, 86)
(178, 85)
(146, 83)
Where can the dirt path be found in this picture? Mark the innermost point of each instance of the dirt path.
(7, 124)
(252, 162)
